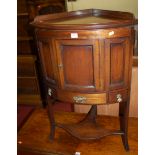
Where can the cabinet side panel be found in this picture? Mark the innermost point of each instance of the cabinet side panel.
(45, 54)
(116, 63)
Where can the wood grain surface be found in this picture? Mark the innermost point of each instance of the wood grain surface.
(34, 136)
(112, 109)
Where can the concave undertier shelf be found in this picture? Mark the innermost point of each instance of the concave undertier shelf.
(81, 131)
(88, 129)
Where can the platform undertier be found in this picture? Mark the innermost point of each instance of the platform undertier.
(34, 136)
(87, 130)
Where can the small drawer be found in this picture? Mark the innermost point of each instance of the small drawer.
(118, 96)
(81, 98)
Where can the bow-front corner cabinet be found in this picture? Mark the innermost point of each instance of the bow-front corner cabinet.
(86, 59)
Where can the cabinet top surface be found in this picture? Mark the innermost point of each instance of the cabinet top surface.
(85, 19)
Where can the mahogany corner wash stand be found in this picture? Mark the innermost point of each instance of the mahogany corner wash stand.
(86, 58)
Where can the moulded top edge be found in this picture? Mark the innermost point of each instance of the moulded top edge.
(89, 18)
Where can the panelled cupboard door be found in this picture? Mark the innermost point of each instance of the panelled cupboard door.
(118, 53)
(47, 59)
(78, 64)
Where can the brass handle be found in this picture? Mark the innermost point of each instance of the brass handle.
(119, 98)
(60, 65)
(111, 33)
(79, 99)
(50, 91)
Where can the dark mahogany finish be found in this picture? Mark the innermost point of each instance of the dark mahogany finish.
(41, 7)
(86, 59)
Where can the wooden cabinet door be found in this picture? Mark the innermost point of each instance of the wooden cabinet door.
(118, 56)
(47, 60)
(78, 64)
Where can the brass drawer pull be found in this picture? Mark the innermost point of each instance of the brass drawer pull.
(50, 91)
(111, 33)
(79, 99)
(119, 98)
(60, 66)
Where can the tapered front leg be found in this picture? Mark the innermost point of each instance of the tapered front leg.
(51, 118)
(123, 115)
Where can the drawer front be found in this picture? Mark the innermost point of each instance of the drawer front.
(118, 96)
(81, 98)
